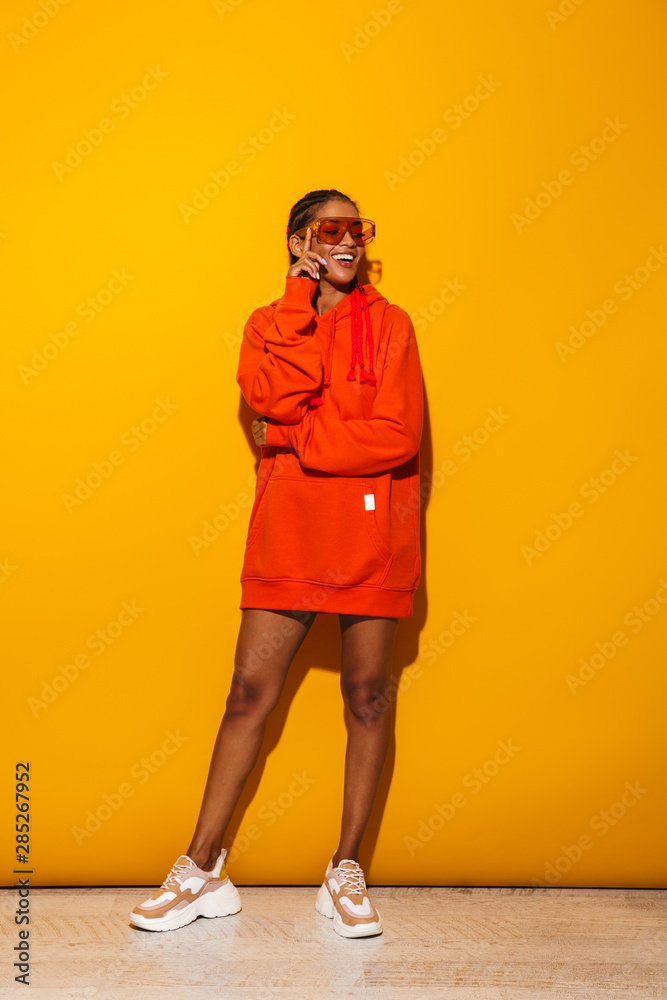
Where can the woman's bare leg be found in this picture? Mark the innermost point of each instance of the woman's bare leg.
(266, 646)
(365, 672)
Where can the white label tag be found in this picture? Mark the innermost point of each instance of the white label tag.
(369, 501)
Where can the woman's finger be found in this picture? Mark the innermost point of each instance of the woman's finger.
(308, 263)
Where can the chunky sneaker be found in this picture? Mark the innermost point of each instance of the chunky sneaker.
(343, 896)
(188, 892)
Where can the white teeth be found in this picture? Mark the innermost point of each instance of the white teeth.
(343, 256)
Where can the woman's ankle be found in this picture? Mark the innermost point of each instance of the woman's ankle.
(339, 856)
(204, 859)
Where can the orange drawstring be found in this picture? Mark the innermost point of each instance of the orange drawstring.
(367, 377)
(359, 301)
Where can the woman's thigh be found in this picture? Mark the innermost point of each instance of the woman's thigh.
(267, 643)
(366, 654)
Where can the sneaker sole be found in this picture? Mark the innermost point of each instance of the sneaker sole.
(216, 903)
(324, 904)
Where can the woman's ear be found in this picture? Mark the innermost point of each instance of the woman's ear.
(296, 245)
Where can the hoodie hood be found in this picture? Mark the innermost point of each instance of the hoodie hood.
(363, 309)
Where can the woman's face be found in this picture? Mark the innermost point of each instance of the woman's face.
(334, 273)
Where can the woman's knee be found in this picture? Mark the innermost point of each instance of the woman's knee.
(367, 699)
(250, 694)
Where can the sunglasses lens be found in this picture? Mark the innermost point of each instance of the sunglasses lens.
(357, 229)
(331, 231)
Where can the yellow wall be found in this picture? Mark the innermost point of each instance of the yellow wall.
(498, 290)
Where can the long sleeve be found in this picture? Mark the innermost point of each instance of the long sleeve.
(280, 366)
(393, 432)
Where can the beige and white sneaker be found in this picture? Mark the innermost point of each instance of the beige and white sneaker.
(188, 892)
(343, 896)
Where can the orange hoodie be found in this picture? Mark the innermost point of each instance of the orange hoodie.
(335, 522)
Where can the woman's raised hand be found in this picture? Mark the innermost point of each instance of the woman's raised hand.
(309, 261)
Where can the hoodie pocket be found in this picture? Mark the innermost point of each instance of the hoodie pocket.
(318, 531)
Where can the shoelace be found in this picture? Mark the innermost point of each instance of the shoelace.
(351, 878)
(177, 872)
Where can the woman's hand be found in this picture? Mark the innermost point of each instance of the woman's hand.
(309, 261)
(258, 428)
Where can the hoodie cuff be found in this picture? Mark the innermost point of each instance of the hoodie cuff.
(299, 288)
(277, 435)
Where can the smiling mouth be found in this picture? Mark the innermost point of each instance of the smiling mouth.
(346, 260)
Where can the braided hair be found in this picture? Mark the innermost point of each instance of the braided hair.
(303, 212)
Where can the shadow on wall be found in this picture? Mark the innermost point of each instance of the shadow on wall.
(322, 644)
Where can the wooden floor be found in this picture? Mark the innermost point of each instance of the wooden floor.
(458, 943)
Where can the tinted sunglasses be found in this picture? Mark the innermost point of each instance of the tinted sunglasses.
(332, 230)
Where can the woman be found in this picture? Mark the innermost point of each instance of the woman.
(334, 527)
